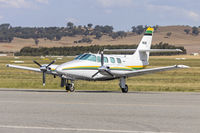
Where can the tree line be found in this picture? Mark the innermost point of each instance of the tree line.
(76, 50)
(7, 32)
(194, 31)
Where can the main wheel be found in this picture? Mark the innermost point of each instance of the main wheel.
(125, 90)
(70, 87)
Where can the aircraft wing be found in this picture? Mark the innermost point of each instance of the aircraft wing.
(153, 70)
(30, 69)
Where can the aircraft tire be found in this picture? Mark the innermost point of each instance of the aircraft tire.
(70, 87)
(125, 90)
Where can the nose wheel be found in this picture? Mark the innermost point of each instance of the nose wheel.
(123, 85)
(125, 89)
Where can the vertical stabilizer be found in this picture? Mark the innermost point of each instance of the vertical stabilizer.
(145, 44)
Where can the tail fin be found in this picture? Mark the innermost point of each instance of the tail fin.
(145, 44)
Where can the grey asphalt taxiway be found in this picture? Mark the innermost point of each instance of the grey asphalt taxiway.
(55, 111)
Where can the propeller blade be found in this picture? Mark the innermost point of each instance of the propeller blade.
(51, 63)
(37, 63)
(109, 73)
(44, 78)
(102, 59)
(95, 74)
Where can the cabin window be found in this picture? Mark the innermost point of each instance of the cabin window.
(144, 42)
(112, 60)
(92, 58)
(98, 59)
(105, 60)
(119, 60)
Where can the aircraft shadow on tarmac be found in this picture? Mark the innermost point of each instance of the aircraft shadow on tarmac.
(77, 91)
(31, 90)
(57, 91)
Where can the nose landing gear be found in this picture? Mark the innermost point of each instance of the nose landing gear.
(123, 85)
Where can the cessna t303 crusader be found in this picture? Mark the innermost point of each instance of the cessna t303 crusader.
(100, 67)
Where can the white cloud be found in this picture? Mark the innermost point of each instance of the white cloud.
(43, 1)
(1, 17)
(115, 3)
(174, 11)
(108, 11)
(15, 3)
(193, 15)
(21, 3)
(73, 20)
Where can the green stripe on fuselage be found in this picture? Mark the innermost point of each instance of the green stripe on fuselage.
(96, 68)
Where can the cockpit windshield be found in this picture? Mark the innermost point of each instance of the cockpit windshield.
(89, 57)
(79, 56)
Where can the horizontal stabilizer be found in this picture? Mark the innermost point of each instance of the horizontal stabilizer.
(149, 50)
(161, 50)
(119, 50)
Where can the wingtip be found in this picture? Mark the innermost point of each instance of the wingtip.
(182, 66)
(179, 50)
(7, 65)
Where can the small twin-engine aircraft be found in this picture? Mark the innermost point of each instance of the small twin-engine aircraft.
(100, 67)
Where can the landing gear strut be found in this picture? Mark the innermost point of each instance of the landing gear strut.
(69, 86)
(123, 85)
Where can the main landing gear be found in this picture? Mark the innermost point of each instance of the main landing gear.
(69, 85)
(123, 85)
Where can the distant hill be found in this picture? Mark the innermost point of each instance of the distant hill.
(174, 35)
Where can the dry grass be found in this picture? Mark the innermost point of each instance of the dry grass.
(175, 80)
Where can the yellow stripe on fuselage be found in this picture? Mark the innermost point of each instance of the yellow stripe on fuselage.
(93, 67)
(137, 66)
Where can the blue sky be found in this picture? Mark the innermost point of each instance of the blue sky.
(121, 14)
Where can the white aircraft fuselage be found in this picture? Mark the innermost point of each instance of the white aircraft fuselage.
(84, 69)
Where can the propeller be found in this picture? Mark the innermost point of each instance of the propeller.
(44, 69)
(103, 68)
